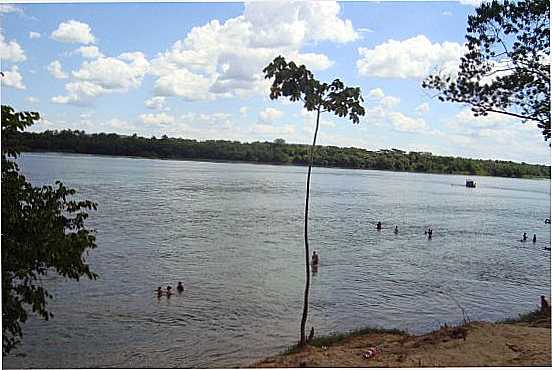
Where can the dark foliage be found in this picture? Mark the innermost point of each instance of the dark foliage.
(43, 232)
(277, 152)
(506, 68)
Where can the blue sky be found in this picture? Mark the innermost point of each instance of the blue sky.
(194, 70)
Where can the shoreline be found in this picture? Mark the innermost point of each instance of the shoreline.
(524, 341)
(276, 164)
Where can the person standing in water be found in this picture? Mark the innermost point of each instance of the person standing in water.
(179, 287)
(396, 231)
(534, 238)
(378, 225)
(524, 238)
(314, 259)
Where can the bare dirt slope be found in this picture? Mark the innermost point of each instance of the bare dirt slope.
(474, 344)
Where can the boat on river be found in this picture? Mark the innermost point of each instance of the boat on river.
(470, 184)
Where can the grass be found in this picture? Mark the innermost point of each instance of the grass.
(328, 340)
(536, 318)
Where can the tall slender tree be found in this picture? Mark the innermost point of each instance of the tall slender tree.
(297, 83)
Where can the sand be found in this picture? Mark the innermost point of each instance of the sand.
(472, 344)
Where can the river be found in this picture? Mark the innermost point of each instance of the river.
(233, 234)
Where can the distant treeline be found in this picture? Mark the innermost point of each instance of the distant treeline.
(277, 152)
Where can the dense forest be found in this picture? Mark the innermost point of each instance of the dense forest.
(277, 152)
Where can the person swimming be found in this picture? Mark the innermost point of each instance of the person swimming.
(396, 231)
(314, 259)
(378, 226)
(524, 237)
(534, 238)
(169, 293)
(159, 291)
(179, 287)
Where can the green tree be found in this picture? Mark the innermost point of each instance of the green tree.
(42, 232)
(506, 68)
(298, 84)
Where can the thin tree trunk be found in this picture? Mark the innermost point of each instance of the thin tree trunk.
(303, 341)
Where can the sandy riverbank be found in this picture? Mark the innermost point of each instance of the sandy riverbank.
(522, 342)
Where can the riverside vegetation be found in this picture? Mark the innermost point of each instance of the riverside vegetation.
(276, 152)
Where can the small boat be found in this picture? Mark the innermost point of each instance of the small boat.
(470, 184)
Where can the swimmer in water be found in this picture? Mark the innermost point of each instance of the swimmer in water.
(396, 230)
(159, 292)
(378, 226)
(169, 293)
(179, 287)
(314, 259)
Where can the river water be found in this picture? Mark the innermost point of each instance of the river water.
(233, 234)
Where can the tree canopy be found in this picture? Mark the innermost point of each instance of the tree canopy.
(506, 67)
(43, 232)
(277, 152)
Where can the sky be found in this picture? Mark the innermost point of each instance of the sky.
(194, 70)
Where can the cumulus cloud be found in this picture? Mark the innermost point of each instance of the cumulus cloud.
(412, 58)
(268, 115)
(243, 111)
(405, 123)
(32, 100)
(80, 93)
(13, 78)
(89, 52)
(389, 102)
(261, 128)
(157, 118)
(11, 51)
(55, 70)
(74, 31)
(157, 102)
(105, 75)
(376, 93)
(34, 35)
(10, 8)
(226, 59)
(422, 108)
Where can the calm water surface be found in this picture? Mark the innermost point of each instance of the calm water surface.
(232, 233)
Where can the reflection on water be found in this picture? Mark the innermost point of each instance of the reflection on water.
(232, 233)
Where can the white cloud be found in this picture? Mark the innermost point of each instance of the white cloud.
(261, 128)
(11, 51)
(123, 72)
(74, 32)
(157, 118)
(13, 78)
(34, 35)
(404, 123)
(376, 93)
(157, 102)
(89, 52)
(32, 100)
(474, 3)
(422, 108)
(80, 93)
(226, 59)
(411, 58)
(243, 111)
(365, 29)
(105, 75)
(55, 70)
(268, 115)
(10, 8)
(389, 102)
(446, 13)
(185, 84)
